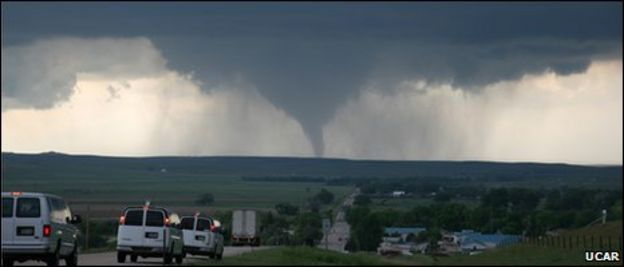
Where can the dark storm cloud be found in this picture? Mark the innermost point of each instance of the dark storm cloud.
(308, 58)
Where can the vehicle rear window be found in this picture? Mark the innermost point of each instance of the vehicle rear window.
(154, 218)
(203, 225)
(187, 223)
(7, 207)
(28, 207)
(134, 217)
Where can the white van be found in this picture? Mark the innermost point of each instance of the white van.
(38, 226)
(202, 236)
(149, 231)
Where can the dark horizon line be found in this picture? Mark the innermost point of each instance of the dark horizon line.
(313, 158)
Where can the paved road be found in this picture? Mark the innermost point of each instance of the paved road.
(110, 258)
(338, 235)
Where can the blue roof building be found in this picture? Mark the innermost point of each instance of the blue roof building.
(478, 241)
(403, 230)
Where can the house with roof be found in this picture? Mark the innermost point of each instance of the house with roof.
(392, 233)
(398, 193)
(395, 241)
(469, 241)
(480, 241)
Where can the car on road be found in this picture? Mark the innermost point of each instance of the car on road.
(149, 231)
(202, 236)
(38, 226)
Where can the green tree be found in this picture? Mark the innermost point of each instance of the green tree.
(524, 200)
(314, 205)
(478, 218)
(451, 216)
(273, 229)
(325, 197)
(513, 224)
(286, 209)
(389, 217)
(615, 212)
(442, 197)
(362, 200)
(433, 236)
(308, 228)
(356, 214)
(495, 198)
(367, 233)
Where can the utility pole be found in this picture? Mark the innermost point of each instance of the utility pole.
(326, 226)
(87, 227)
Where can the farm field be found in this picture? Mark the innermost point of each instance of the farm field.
(106, 189)
(107, 184)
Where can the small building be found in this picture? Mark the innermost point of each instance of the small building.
(470, 241)
(477, 242)
(402, 233)
(398, 193)
(395, 241)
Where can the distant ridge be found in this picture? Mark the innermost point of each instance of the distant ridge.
(54, 153)
(326, 167)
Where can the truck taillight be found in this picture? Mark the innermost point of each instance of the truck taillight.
(213, 228)
(122, 220)
(166, 221)
(47, 230)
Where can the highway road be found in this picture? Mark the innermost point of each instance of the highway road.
(338, 235)
(110, 258)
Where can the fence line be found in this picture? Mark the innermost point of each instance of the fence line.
(570, 242)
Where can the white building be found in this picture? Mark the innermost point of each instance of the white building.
(398, 193)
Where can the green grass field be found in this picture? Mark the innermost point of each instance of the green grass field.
(521, 254)
(514, 255)
(108, 189)
(301, 256)
(613, 229)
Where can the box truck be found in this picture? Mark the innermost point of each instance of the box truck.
(244, 228)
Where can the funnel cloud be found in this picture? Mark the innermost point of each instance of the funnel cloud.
(317, 62)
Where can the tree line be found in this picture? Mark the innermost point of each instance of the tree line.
(518, 211)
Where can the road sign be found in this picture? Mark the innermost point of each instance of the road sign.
(326, 225)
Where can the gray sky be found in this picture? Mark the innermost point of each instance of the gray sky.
(356, 80)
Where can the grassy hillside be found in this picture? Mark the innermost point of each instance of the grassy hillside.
(514, 255)
(528, 254)
(613, 229)
(301, 256)
(522, 254)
